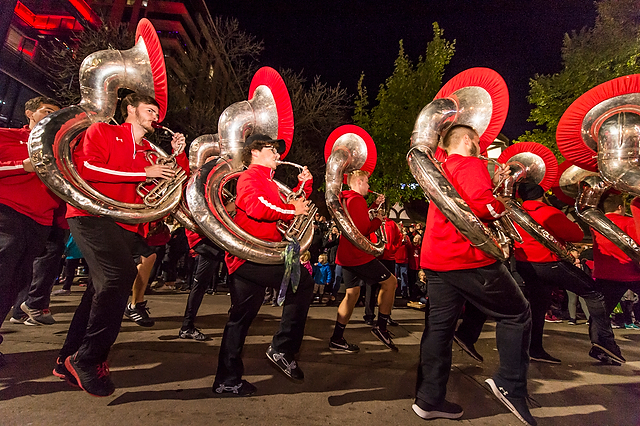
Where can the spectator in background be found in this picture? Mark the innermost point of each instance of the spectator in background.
(402, 262)
(414, 264)
(72, 261)
(331, 246)
(321, 276)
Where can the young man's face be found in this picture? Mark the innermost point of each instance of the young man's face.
(144, 115)
(267, 156)
(37, 115)
(361, 185)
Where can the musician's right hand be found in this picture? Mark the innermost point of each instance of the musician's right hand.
(503, 199)
(301, 205)
(159, 171)
(27, 165)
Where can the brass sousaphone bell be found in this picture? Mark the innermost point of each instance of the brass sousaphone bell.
(102, 73)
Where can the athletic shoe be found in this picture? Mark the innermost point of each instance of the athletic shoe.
(468, 348)
(192, 333)
(61, 292)
(286, 364)
(615, 325)
(243, 388)
(41, 316)
(444, 410)
(343, 346)
(139, 314)
(551, 318)
(631, 327)
(543, 356)
(572, 321)
(93, 379)
(60, 370)
(612, 352)
(518, 406)
(601, 356)
(392, 322)
(21, 320)
(384, 336)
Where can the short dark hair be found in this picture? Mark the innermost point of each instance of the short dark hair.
(611, 202)
(257, 145)
(135, 99)
(35, 103)
(455, 134)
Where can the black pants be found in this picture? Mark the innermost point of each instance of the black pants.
(206, 272)
(107, 249)
(46, 268)
(539, 281)
(492, 290)
(613, 292)
(247, 286)
(22, 239)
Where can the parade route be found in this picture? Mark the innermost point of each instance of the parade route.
(164, 380)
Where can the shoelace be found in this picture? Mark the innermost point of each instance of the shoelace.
(103, 370)
(223, 388)
(280, 357)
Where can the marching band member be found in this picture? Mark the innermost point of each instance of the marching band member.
(458, 271)
(358, 265)
(113, 159)
(542, 270)
(258, 208)
(26, 206)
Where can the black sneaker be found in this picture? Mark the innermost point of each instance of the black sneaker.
(139, 314)
(60, 370)
(192, 333)
(518, 406)
(572, 321)
(343, 346)
(385, 337)
(468, 348)
(392, 322)
(286, 364)
(444, 410)
(543, 356)
(613, 352)
(602, 356)
(93, 379)
(243, 388)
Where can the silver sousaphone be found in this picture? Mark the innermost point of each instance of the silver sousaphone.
(347, 150)
(102, 73)
(600, 134)
(530, 162)
(473, 106)
(218, 162)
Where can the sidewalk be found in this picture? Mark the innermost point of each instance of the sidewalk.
(163, 380)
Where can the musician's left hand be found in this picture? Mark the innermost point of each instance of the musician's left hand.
(380, 199)
(305, 175)
(178, 143)
(501, 174)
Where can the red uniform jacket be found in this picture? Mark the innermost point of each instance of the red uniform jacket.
(414, 257)
(111, 162)
(22, 191)
(609, 262)
(348, 254)
(554, 221)
(403, 252)
(259, 205)
(444, 248)
(394, 240)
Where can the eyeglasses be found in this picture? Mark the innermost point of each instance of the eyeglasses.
(272, 148)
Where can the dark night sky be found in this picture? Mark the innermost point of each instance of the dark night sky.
(340, 39)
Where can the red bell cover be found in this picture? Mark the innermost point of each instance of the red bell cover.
(267, 76)
(569, 132)
(372, 153)
(148, 33)
(551, 176)
(493, 83)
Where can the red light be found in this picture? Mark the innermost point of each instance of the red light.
(86, 12)
(52, 22)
